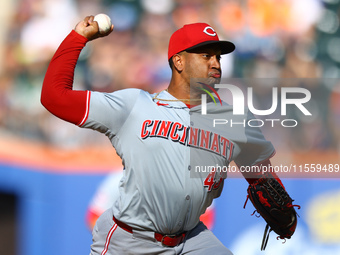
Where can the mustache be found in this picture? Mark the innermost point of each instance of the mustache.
(219, 72)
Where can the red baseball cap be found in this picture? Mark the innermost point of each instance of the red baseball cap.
(191, 36)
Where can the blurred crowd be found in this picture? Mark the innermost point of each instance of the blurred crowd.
(275, 39)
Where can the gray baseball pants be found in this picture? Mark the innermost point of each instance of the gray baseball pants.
(110, 239)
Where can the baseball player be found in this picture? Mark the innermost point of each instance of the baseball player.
(160, 202)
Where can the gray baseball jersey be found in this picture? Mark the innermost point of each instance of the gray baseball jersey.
(161, 143)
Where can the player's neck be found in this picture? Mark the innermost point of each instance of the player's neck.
(182, 92)
(177, 93)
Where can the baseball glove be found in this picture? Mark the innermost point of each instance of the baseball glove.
(274, 204)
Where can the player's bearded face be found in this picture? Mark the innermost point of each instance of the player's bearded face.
(203, 63)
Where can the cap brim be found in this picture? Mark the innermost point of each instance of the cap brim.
(225, 46)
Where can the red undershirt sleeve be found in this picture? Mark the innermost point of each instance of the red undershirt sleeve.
(252, 177)
(57, 94)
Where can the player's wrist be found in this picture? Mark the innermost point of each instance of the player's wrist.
(78, 37)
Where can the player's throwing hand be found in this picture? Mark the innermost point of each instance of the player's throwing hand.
(90, 29)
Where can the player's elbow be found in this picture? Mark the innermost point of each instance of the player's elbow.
(51, 100)
(45, 99)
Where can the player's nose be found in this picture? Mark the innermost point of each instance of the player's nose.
(215, 66)
(215, 62)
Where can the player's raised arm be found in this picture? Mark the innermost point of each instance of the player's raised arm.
(57, 93)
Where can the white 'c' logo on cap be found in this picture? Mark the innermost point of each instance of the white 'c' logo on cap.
(209, 33)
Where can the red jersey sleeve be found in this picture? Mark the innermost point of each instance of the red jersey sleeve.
(57, 94)
(253, 176)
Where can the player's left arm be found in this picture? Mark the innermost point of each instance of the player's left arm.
(265, 190)
(255, 154)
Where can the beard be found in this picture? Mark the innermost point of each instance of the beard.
(199, 86)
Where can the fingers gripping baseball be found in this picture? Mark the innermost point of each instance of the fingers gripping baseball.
(90, 29)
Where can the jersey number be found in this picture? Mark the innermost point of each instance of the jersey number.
(210, 181)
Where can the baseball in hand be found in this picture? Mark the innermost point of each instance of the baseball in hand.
(104, 23)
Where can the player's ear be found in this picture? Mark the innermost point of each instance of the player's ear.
(178, 62)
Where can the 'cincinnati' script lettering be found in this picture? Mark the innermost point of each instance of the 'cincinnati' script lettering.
(188, 136)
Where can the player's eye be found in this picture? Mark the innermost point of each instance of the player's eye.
(208, 56)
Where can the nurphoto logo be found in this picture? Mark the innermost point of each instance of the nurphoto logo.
(281, 98)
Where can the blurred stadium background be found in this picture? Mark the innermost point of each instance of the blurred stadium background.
(50, 170)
